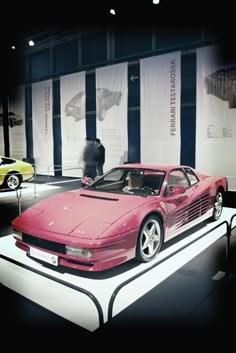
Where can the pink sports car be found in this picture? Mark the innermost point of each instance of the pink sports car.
(128, 213)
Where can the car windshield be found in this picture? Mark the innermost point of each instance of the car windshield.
(130, 181)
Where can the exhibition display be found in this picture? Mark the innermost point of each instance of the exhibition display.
(128, 213)
(90, 300)
(142, 240)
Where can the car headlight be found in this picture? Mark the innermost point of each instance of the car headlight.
(80, 252)
(17, 234)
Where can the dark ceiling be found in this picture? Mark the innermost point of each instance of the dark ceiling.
(25, 17)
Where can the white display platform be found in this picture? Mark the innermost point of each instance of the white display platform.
(84, 298)
(26, 189)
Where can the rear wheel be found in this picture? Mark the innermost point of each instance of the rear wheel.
(150, 239)
(12, 181)
(218, 206)
(102, 113)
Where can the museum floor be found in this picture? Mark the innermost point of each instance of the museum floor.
(193, 305)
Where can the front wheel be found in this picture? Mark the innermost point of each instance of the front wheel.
(150, 239)
(218, 206)
(12, 181)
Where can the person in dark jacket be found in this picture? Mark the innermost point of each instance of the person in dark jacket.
(100, 156)
(89, 159)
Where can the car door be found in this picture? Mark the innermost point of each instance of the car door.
(178, 204)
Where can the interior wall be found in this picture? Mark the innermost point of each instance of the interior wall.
(105, 47)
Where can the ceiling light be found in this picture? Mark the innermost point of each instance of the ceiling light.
(155, 2)
(112, 11)
(31, 43)
(13, 47)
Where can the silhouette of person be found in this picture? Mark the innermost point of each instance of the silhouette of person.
(89, 159)
(100, 156)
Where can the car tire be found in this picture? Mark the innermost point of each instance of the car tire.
(12, 181)
(218, 206)
(119, 99)
(150, 239)
(209, 86)
(102, 113)
(232, 102)
(11, 122)
(232, 95)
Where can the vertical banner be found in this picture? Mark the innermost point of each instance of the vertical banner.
(16, 123)
(160, 84)
(2, 145)
(111, 110)
(73, 123)
(215, 114)
(42, 127)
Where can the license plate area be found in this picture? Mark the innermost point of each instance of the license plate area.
(44, 256)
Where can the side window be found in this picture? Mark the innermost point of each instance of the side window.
(177, 177)
(8, 161)
(112, 177)
(191, 176)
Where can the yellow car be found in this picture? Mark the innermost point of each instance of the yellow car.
(13, 172)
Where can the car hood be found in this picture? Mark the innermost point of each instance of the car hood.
(84, 210)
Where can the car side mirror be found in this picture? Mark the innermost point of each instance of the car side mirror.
(86, 181)
(176, 189)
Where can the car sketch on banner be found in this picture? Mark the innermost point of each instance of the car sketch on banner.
(13, 172)
(75, 107)
(13, 119)
(222, 84)
(128, 213)
(106, 99)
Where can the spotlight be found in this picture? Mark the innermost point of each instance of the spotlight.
(31, 43)
(112, 11)
(13, 47)
(155, 2)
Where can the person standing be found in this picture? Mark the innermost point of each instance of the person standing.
(89, 159)
(100, 156)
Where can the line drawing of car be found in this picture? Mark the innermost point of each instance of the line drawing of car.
(76, 106)
(222, 84)
(13, 172)
(106, 99)
(126, 214)
(13, 119)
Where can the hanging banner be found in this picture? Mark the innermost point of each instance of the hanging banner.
(73, 123)
(16, 123)
(2, 145)
(215, 115)
(111, 112)
(42, 127)
(160, 84)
